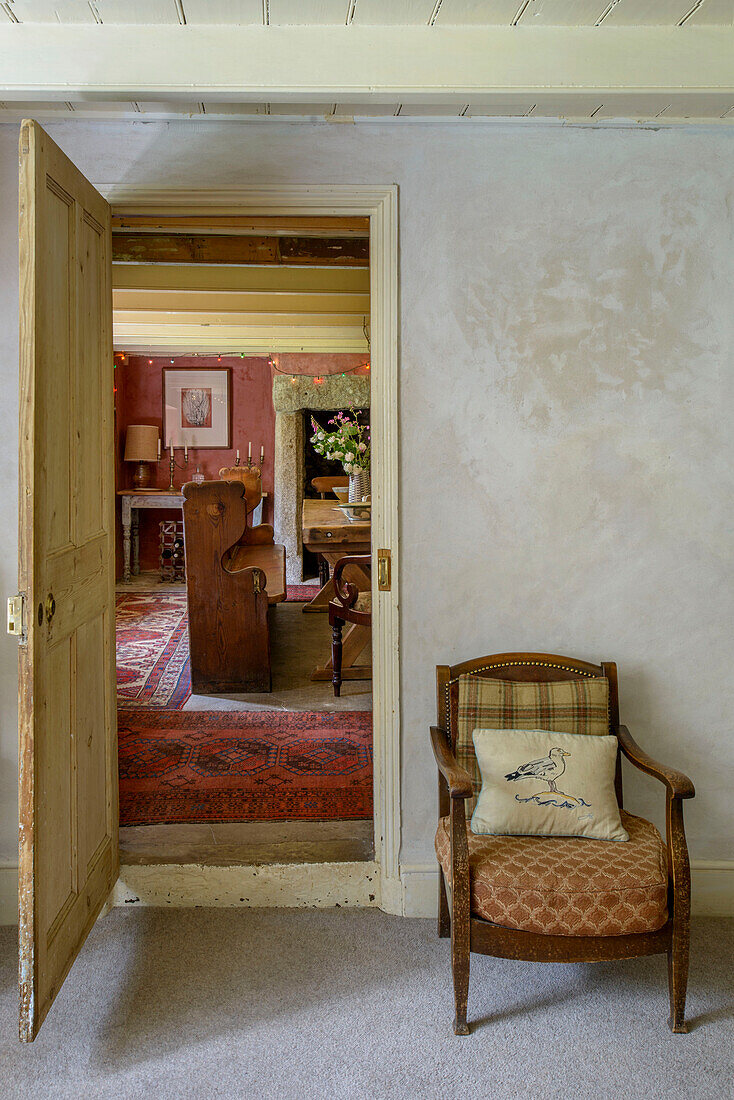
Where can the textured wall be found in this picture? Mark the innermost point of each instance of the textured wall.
(565, 397)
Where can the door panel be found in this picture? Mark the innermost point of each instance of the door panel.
(67, 706)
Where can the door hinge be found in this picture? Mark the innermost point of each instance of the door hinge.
(16, 616)
(383, 571)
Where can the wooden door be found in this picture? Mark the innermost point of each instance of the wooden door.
(67, 713)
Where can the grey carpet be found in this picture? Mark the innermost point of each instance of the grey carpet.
(355, 1004)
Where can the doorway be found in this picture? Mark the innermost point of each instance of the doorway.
(280, 772)
(379, 205)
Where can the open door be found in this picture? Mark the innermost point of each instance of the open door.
(67, 711)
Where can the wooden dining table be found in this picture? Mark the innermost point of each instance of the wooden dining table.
(327, 531)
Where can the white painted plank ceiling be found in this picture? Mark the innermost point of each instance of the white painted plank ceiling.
(682, 16)
(713, 13)
(438, 13)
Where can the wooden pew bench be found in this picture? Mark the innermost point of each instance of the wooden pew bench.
(234, 575)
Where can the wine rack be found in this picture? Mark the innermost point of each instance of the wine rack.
(172, 563)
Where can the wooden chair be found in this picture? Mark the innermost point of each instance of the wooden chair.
(459, 876)
(350, 606)
(325, 486)
(234, 575)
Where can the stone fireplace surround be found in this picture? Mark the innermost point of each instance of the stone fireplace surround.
(290, 398)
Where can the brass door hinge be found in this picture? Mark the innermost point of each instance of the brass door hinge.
(384, 580)
(16, 616)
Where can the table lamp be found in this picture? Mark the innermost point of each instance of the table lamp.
(141, 446)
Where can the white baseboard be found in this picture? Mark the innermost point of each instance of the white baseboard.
(712, 888)
(314, 885)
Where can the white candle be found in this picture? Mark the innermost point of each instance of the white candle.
(170, 444)
(186, 453)
(237, 459)
(262, 454)
(249, 451)
(159, 448)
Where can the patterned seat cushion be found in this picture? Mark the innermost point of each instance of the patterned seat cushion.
(561, 706)
(566, 886)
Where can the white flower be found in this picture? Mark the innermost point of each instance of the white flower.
(321, 435)
(350, 456)
(338, 454)
(363, 446)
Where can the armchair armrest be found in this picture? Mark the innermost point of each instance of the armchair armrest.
(678, 784)
(346, 592)
(459, 781)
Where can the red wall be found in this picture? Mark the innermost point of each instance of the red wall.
(139, 400)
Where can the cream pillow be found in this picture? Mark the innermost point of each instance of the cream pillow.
(538, 783)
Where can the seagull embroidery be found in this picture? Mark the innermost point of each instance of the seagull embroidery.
(548, 769)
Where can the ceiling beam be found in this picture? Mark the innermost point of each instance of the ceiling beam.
(261, 280)
(239, 301)
(239, 339)
(363, 64)
(181, 248)
(230, 224)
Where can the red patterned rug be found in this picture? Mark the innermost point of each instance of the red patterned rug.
(301, 593)
(152, 650)
(244, 766)
(153, 647)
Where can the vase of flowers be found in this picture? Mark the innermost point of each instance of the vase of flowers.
(344, 440)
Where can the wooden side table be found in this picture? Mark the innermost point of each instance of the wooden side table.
(132, 501)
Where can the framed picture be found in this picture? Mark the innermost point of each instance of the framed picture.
(197, 408)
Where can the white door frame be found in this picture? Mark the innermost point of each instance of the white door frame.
(369, 883)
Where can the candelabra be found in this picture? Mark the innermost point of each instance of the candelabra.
(173, 465)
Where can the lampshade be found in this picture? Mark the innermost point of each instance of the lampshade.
(141, 443)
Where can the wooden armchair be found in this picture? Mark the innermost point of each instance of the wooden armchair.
(234, 575)
(640, 918)
(350, 606)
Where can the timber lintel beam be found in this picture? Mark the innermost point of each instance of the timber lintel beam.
(220, 64)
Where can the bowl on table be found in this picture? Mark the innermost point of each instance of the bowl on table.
(356, 510)
(342, 494)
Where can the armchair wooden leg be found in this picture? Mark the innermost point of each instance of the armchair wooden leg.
(679, 946)
(323, 572)
(460, 956)
(460, 915)
(678, 982)
(444, 914)
(336, 656)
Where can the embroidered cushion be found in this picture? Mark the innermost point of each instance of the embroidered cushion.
(563, 886)
(564, 706)
(538, 783)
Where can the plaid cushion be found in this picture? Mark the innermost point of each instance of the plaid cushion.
(562, 706)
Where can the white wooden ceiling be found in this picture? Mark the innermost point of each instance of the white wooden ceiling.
(438, 13)
(254, 310)
(578, 60)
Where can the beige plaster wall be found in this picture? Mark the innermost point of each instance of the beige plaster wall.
(565, 403)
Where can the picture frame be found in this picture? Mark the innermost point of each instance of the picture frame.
(197, 407)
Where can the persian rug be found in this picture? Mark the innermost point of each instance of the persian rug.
(152, 650)
(273, 765)
(153, 647)
(301, 593)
